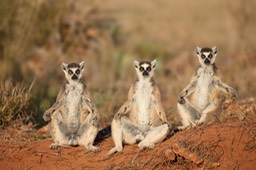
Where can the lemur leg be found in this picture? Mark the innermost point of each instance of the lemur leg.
(116, 133)
(88, 132)
(56, 127)
(211, 107)
(154, 136)
(131, 132)
(117, 130)
(123, 130)
(188, 114)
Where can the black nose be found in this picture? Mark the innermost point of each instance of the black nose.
(74, 77)
(145, 73)
(207, 61)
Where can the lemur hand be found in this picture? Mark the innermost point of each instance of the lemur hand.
(232, 92)
(47, 115)
(181, 100)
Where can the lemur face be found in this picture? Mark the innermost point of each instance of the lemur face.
(73, 71)
(145, 69)
(206, 55)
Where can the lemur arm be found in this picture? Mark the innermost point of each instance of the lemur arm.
(90, 106)
(126, 107)
(189, 88)
(56, 105)
(158, 105)
(224, 87)
(88, 101)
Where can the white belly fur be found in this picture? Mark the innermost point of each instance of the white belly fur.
(202, 90)
(73, 102)
(143, 102)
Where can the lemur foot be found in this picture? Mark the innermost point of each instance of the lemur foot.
(54, 146)
(73, 142)
(198, 122)
(93, 149)
(114, 150)
(143, 146)
(139, 138)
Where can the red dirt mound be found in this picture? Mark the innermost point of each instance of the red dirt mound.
(221, 145)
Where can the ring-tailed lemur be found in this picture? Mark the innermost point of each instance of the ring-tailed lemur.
(73, 117)
(199, 98)
(142, 118)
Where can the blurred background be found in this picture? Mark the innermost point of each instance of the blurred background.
(37, 36)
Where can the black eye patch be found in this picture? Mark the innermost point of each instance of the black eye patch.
(203, 56)
(70, 72)
(77, 71)
(148, 68)
(141, 69)
(210, 56)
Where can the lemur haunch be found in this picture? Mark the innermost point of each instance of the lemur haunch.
(73, 117)
(142, 118)
(197, 99)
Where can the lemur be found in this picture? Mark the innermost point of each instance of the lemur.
(74, 119)
(141, 119)
(199, 96)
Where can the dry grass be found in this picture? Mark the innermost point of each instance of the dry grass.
(14, 101)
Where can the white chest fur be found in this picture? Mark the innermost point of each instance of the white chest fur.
(204, 86)
(143, 101)
(73, 103)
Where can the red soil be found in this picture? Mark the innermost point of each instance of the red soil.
(230, 144)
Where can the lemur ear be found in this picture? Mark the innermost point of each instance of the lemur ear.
(153, 63)
(64, 67)
(82, 65)
(214, 50)
(198, 50)
(136, 64)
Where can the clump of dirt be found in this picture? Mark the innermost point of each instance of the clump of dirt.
(221, 145)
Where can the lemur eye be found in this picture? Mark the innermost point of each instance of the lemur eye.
(70, 72)
(210, 56)
(203, 56)
(77, 71)
(148, 68)
(141, 69)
